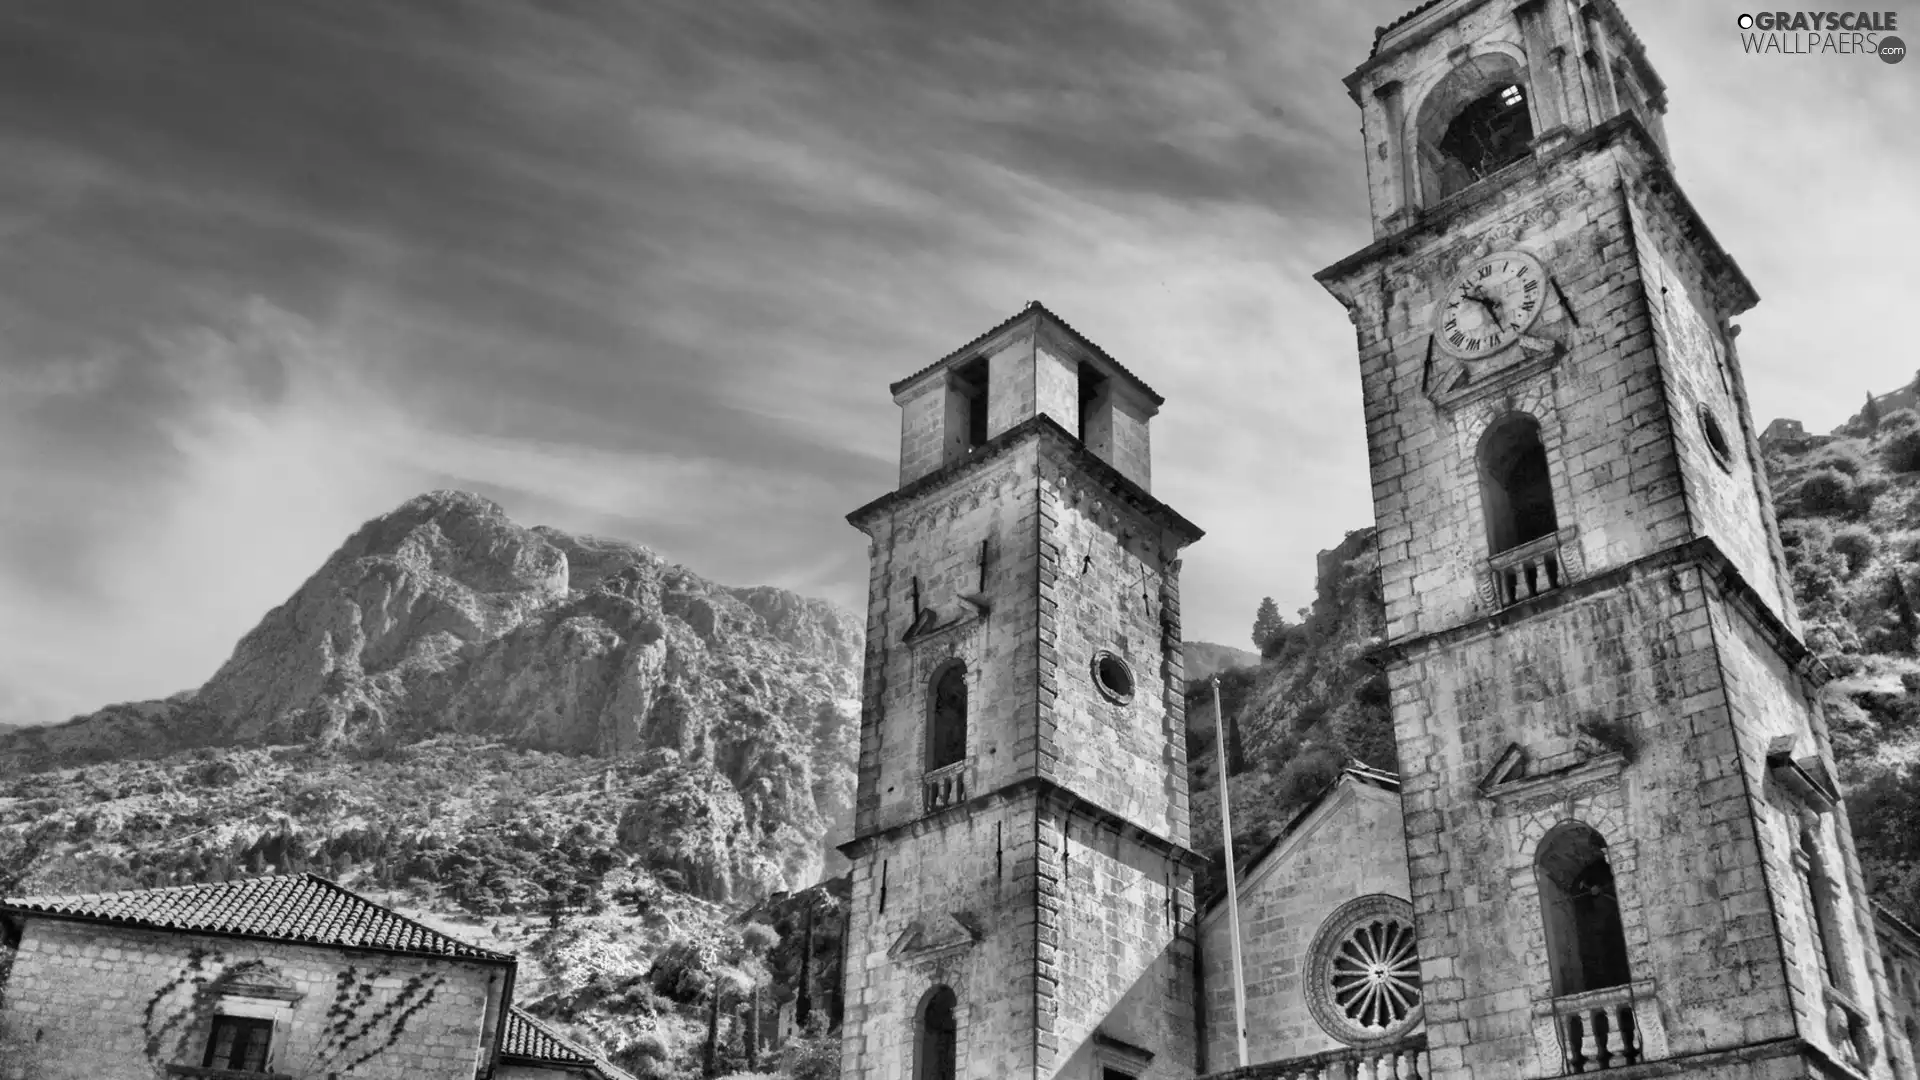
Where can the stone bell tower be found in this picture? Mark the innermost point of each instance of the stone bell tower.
(1022, 888)
(1624, 837)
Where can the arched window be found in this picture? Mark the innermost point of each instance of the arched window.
(947, 722)
(1514, 486)
(1473, 123)
(934, 1050)
(1586, 944)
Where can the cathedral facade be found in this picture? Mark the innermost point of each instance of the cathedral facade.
(1615, 844)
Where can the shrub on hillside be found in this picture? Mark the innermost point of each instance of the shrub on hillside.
(1828, 491)
(1899, 449)
(1897, 420)
(1846, 457)
(1307, 774)
(1815, 566)
(1854, 545)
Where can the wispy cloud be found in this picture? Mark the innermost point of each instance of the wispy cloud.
(646, 270)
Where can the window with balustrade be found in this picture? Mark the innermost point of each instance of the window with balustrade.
(1516, 495)
(944, 782)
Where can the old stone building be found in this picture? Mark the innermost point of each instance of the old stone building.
(1616, 844)
(290, 977)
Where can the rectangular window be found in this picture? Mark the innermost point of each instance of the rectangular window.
(239, 1043)
(1115, 1074)
(1091, 384)
(971, 380)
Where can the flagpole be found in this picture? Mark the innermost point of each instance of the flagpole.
(1233, 887)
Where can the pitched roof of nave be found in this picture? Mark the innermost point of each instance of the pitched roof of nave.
(304, 909)
(1033, 307)
(528, 1039)
(1356, 772)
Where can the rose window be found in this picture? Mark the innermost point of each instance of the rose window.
(1364, 976)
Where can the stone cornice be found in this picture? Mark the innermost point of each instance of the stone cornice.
(1733, 293)
(1062, 446)
(1049, 792)
(1701, 552)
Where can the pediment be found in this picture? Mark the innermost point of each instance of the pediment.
(255, 979)
(1586, 764)
(932, 935)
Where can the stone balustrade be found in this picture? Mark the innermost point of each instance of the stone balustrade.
(944, 787)
(1598, 1029)
(1402, 1060)
(1526, 571)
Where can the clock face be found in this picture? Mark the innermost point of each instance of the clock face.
(1491, 305)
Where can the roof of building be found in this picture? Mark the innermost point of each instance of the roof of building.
(1886, 915)
(1032, 307)
(529, 1040)
(302, 908)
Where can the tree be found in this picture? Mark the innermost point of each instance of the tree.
(1871, 414)
(1266, 622)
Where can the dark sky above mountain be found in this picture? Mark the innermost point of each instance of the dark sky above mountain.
(646, 269)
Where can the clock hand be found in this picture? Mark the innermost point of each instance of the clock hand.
(1489, 305)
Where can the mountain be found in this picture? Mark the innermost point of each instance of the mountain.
(559, 745)
(445, 617)
(1203, 658)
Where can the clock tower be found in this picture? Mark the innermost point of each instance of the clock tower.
(1022, 902)
(1625, 842)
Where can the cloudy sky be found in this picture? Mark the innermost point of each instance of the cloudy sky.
(270, 267)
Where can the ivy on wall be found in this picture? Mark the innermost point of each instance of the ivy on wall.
(363, 1021)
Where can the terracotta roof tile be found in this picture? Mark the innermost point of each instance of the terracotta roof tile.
(300, 908)
(530, 1040)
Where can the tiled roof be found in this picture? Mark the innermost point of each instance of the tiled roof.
(530, 1040)
(300, 908)
(1033, 306)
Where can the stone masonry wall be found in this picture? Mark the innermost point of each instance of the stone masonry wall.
(1118, 920)
(1104, 586)
(1637, 664)
(978, 865)
(104, 1001)
(1724, 495)
(937, 539)
(1350, 846)
(1765, 701)
(1901, 951)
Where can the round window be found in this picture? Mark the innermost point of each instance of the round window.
(1716, 439)
(1113, 677)
(1363, 976)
